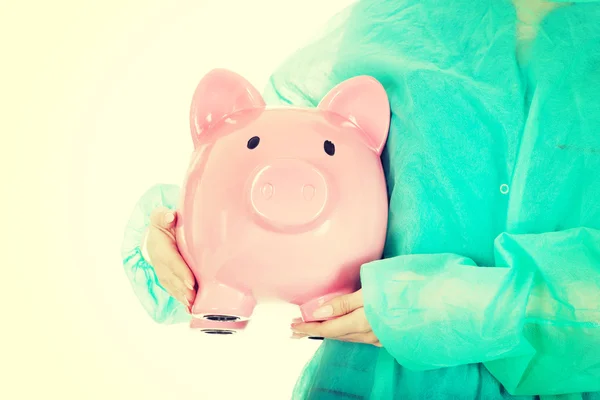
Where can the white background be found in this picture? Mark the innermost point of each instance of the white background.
(95, 98)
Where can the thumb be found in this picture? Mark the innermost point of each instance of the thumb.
(339, 306)
(163, 218)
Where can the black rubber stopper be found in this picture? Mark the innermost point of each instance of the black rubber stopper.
(218, 332)
(221, 318)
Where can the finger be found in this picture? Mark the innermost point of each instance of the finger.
(181, 270)
(341, 305)
(302, 335)
(181, 297)
(184, 297)
(174, 285)
(165, 256)
(298, 335)
(355, 322)
(163, 218)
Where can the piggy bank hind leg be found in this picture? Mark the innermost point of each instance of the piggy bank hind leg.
(220, 309)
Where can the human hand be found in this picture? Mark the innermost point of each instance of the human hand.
(162, 253)
(351, 324)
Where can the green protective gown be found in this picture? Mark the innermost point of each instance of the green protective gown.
(490, 283)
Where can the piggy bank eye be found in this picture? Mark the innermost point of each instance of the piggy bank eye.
(329, 147)
(253, 142)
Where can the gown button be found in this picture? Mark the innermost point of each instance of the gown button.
(504, 188)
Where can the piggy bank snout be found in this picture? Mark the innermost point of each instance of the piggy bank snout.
(289, 193)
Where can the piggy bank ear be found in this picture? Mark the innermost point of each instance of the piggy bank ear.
(363, 101)
(219, 94)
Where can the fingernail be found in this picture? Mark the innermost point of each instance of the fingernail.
(169, 217)
(189, 285)
(323, 312)
(297, 321)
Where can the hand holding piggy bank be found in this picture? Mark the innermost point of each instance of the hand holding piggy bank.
(284, 203)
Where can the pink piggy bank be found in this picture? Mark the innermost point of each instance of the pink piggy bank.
(281, 203)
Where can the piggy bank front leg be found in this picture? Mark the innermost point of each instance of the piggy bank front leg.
(220, 309)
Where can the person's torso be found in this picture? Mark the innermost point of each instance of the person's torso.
(480, 143)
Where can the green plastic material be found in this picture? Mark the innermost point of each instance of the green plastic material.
(490, 286)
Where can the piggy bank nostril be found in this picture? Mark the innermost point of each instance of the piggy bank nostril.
(267, 191)
(308, 191)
